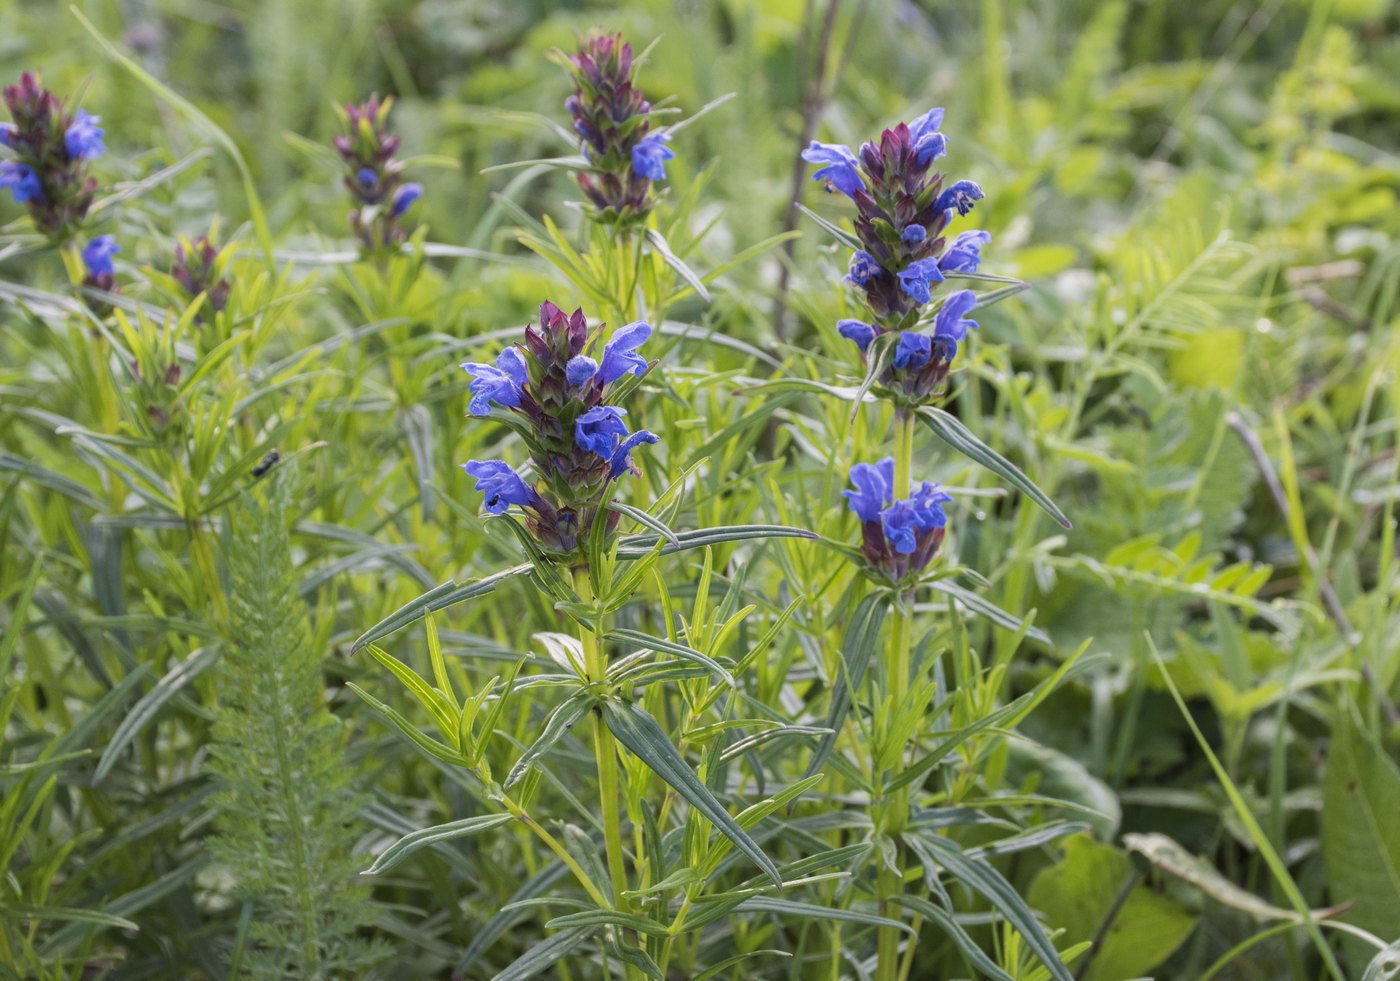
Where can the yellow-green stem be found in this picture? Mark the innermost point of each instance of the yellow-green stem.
(559, 850)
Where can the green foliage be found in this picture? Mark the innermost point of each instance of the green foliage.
(287, 807)
(1094, 894)
(1202, 378)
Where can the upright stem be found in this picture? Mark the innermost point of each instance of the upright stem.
(890, 883)
(605, 752)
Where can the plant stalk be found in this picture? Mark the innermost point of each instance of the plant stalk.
(605, 752)
(890, 882)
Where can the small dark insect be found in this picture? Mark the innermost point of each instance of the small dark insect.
(268, 462)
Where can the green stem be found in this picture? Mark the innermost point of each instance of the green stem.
(605, 752)
(552, 843)
(895, 812)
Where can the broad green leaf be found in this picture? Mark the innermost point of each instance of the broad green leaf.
(1084, 895)
(410, 843)
(640, 733)
(1361, 829)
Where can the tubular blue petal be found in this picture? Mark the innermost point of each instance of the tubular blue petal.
(404, 198)
(580, 371)
(649, 156)
(960, 196)
(22, 181)
(600, 429)
(949, 322)
(913, 351)
(84, 137)
(873, 484)
(863, 266)
(97, 255)
(501, 484)
(622, 456)
(858, 331)
(965, 254)
(620, 354)
(916, 279)
(491, 384)
(842, 168)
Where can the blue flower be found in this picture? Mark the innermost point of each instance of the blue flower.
(580, 371)
(949, 325)
(929, 144)
(913, 351)
(899, 524)
(841, 166)
(965, 254)
(858, 331)
(367, 176)
(622, 456)
(928, 501)
(404, 198)
(84, 137)
(863, 266)
(501, 384)
(620, 354)
(914, 234)
(960, 196)
(21, 180)
(501, 485)
(649, 156)
(917, 278)
(600, 429)
(7, 134)
(874, 488)
(904, 522)
(97, 255)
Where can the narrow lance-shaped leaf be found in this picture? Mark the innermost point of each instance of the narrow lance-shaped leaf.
(857, 648)
(951, 430)
(410, 843)
(986, 880)
(641, 734)
(560, 721)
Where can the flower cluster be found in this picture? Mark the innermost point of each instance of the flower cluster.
(611, 117)
(373, 175)
(898, 537)
(579, 443)
(196, 269)
(51, 149)
(903, 210)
